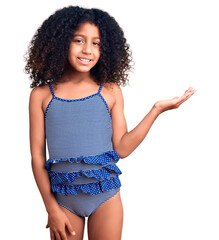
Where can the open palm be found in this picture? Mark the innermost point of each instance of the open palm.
(175, 102)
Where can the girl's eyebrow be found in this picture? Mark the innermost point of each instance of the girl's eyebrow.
(81, 35)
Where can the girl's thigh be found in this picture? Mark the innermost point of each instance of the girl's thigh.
(77, 224)
(106, 222)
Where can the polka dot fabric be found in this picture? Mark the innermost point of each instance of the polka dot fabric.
(62, 177)
(92, 188)
(58, 179)
(102, 159)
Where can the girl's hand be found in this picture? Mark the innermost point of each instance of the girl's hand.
(173, 103)
(58, 222)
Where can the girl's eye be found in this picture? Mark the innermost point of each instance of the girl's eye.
(78, 40)
(96, 44)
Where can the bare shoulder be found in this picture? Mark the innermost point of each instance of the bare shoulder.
(112, 87)
(111, 91)
(36, 95)
(40, 96)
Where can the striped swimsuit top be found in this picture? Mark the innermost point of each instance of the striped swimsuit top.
(79, 140)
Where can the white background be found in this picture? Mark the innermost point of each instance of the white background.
(170, 182)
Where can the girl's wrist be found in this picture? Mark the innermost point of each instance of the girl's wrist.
(156, 110)
(52, 208)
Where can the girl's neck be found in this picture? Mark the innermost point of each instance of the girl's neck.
(76, 77)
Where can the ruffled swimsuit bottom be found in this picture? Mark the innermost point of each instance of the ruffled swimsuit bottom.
(84, 191)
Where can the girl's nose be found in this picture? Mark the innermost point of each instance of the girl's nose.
(87, 48)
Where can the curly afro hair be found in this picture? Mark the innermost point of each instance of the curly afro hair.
(47, 54)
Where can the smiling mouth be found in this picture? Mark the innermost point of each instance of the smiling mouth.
(84, 60)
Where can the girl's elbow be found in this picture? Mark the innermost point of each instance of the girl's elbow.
(122, 154)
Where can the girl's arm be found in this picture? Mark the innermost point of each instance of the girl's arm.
(56, 217)
(125, 142)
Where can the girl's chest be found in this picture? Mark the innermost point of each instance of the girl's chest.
(109, 99)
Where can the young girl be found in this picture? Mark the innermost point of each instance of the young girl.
(77, 61)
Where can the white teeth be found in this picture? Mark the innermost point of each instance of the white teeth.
(84, 60)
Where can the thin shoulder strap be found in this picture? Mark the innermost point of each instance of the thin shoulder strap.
(51, 89)
(101, 85)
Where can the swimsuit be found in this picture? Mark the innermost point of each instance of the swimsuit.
(82, 162)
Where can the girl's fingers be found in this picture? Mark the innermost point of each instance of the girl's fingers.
(52, 235)
(192, 90)
(70, 229)
(63, 236)
(189, 89)
(57, 236)
(186, 96)
(190, 93)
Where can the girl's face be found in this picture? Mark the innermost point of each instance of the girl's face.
(84, 51)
